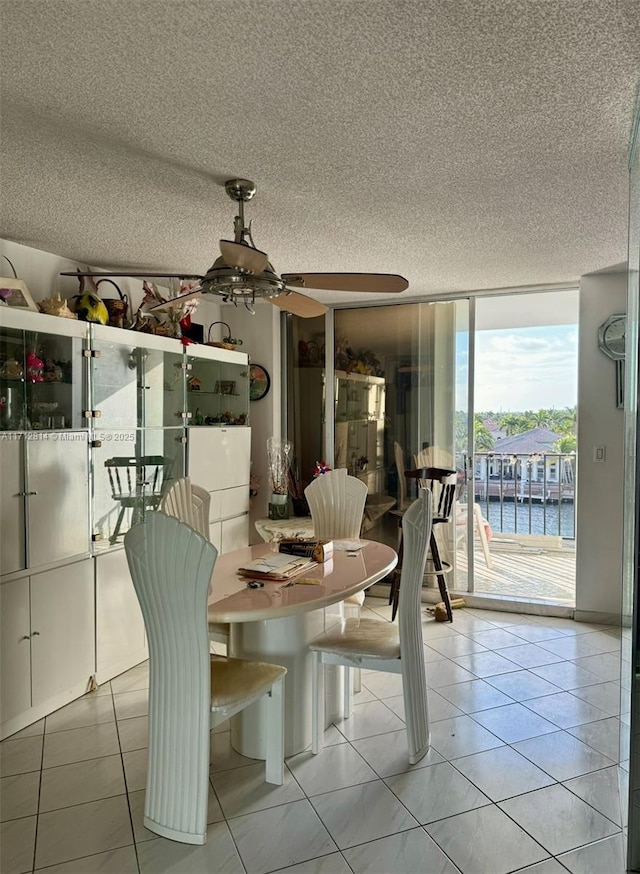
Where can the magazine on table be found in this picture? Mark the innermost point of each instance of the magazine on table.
(277, 566)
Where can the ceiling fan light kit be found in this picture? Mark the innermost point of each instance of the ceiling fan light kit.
(242, 274)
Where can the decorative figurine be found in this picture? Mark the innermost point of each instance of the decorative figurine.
(11, 369)
(35, 368)
(52, 371)
(56, 306)
(87, 304)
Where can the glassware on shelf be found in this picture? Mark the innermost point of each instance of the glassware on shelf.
(10, 408)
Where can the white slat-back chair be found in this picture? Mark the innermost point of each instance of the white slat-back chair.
(190, 690)
(191, 504)
(337, 501)
(384, 646)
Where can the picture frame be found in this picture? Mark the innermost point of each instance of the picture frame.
(14, 293)
(259, 382)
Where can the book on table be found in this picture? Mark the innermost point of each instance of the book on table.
(277, 567)
(318, 550)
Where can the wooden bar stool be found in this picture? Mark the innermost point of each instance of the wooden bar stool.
(442, 484)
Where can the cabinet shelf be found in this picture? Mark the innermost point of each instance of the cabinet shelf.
(222, 394)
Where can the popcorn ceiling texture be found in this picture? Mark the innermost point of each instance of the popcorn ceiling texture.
(466, 144)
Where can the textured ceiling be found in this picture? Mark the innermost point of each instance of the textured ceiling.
(466, 144)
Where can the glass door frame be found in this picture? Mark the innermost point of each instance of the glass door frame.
(630, 654)
(470, 588)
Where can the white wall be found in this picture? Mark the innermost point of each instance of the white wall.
(600, 486)
(260, 334)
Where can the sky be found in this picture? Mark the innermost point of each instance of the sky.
(522, 369)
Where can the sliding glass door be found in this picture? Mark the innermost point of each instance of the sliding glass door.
(525, 464)
(482, 386)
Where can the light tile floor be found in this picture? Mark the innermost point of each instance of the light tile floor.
(523, 774)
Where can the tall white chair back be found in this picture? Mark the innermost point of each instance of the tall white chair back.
(201, 503)
(171, 566)
(385, 646)
(336, 501)
(189, 690)
(191, 504)
(417, 527)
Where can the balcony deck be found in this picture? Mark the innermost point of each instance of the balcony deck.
(524, 572)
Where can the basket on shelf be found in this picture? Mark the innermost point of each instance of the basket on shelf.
(227, 342)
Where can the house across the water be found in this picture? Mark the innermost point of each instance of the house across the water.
(525, 467)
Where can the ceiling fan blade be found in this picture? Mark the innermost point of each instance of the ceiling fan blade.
(243, 256)
(299, 305)
(385, 283)
(176, 301)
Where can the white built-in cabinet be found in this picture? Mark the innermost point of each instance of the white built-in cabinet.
(44, 511)
(87, 446)
(120, 635)
(219, 460)
(47, 648)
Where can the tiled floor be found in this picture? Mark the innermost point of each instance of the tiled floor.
(522, 775)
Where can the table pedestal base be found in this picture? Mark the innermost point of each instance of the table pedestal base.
(283, 642)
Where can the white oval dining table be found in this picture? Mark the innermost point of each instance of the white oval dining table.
(275, 624)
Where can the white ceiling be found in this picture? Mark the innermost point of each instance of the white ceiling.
(465, 144)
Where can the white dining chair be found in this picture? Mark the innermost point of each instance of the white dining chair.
(384, 646)
(336, 502)
(190, 690)
(192, 504)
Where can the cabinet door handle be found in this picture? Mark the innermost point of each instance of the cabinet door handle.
(26, 637)
(35, 634)
(24, 494)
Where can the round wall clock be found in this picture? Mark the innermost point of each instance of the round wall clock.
(259, 382)
(611, 336)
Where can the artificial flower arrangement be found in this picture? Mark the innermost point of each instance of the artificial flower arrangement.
(177, 316)
(320, 468)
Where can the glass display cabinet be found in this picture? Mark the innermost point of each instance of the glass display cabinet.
(42, 383)
(47, 641)
(44, 462)
(95, 421)
(219, 439)
(217, 389)
(146, 394)
(136, 379)
(137, 416)
(359, 427)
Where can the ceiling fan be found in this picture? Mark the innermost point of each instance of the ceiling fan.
(243, 274)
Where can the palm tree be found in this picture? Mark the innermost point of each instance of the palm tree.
(482, 437)
(566, 445)
(511, 423)
(541, 419)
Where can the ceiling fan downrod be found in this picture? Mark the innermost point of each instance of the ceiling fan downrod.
(240, 190)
